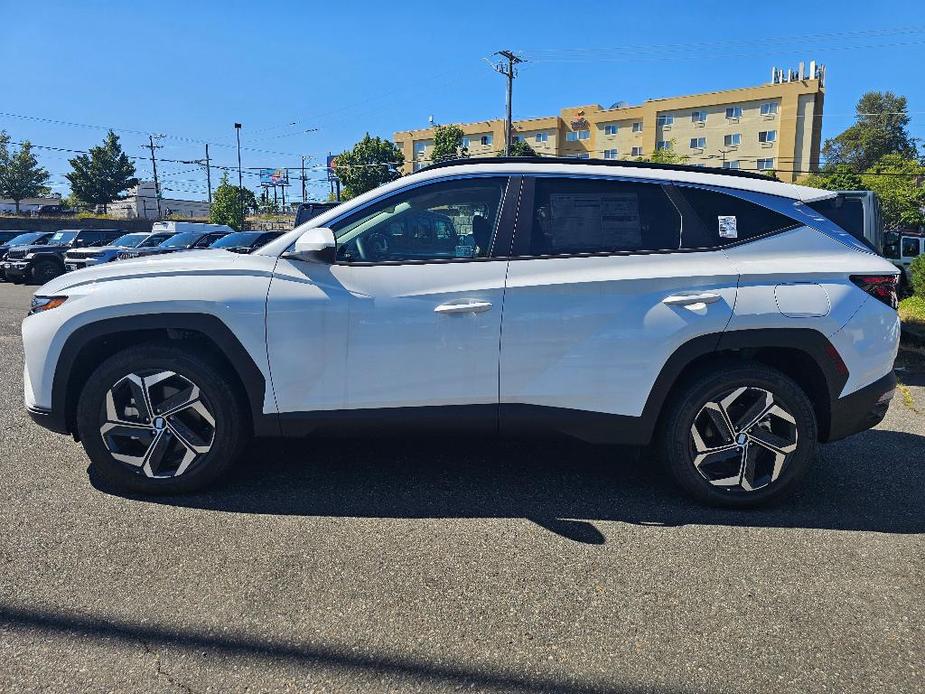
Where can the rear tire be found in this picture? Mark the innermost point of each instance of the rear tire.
(158, 419)
(740, 436)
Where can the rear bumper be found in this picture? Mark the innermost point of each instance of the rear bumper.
(862, 409)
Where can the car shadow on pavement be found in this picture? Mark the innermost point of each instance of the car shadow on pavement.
(874, 481)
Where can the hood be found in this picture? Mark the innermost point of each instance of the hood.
(149, 250)
(77, 252)
(40, 247)
(171, 266)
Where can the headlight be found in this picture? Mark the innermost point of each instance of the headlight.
(30, 255)
(45, 303)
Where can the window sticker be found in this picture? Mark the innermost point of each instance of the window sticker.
(587, 220)
(727, 227)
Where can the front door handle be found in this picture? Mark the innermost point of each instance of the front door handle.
(464, 307)
(691, 299)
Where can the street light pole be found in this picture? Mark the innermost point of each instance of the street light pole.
(237, 131)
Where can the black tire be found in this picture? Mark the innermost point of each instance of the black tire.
(226, 436)
(45, 271)
(710, 476)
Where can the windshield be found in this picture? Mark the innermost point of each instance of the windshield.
(62, 237)
(181, 240)
(23, 239)
(154, 240)
(129, 240)
(244, 238)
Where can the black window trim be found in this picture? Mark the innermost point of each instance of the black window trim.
(504, 224)
(524, 232)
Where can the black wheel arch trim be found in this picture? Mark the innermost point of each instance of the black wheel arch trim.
(60, 418)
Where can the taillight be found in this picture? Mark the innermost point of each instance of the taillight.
(881, 287)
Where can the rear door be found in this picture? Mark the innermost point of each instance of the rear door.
(600, 292)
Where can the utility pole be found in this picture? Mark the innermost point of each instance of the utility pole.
(237, 131)
(508, 71)
(157, 187)
(303, 179)
(208, 174)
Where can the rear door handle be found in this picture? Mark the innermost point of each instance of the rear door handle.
(464, 307)
(690, 299)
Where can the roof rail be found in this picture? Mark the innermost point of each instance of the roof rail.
(596, 162)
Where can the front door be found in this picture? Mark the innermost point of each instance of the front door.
(407, 320)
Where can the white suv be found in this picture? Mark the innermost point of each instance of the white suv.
(715, 313)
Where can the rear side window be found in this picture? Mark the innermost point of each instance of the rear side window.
(714, 219)
(574, 216)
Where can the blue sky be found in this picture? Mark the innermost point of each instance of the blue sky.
(191, 69)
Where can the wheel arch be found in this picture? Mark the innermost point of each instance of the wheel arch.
(89, 345)
(803, 354)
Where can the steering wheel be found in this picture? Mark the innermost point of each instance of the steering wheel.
(373, 246)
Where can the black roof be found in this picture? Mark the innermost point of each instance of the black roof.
(597, 162)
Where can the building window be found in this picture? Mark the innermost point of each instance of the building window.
(542, 137)
(610, 154)
(698, 142)
(417, 166)
(518, 138)
(769, 109)
(664, 119)
(767, 136)
(486, 140)
(698, 117)
(663, 144)
(571, 136)
(610, 129)
(734, 164)
(584, 134)
(419, 149)
(637, 126)
(733, 140)
(733, 112)
(765, 164)
(465, 143)
(637, 152)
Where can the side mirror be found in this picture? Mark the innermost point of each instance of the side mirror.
(316, 244)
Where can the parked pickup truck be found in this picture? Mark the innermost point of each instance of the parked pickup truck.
(20, 238)
(42, 263)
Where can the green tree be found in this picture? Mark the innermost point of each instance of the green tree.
(898, 182)
(372, 162)
(835, 177)
(226, 204)
(520, 148)
(102, 175)
(666, 155)
(21, 176)
(447, 144)
(881, 129)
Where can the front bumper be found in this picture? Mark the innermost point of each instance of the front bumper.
(863, 409)
(48, 419)
(16, 269)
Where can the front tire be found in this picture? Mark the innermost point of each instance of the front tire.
(158, 419)
(740, 436)
(45, 271)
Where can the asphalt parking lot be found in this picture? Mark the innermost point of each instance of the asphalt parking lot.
(477, 566)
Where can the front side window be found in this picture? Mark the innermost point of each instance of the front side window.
(890, 244)
(440, 221)
(767, 136)
(910, 247)
(733, 140)
(574, 216)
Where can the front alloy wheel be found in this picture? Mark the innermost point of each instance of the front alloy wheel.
(157, 423)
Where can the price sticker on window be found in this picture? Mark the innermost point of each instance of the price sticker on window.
(727, 227)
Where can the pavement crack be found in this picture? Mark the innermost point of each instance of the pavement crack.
(162, 673)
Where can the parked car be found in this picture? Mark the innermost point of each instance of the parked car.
(19, 238)
(40, 263)
(79, 258)
(712, 313)
(309, 210)
(183, 241)
(901, 248)
(246, 241)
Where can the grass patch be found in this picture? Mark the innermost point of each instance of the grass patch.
(912, 311)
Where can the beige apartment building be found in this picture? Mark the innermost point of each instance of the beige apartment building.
(772, 127)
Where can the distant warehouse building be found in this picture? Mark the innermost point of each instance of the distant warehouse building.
(141, 203)
(773, 127)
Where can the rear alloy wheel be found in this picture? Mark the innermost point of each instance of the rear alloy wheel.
(157, 419)
(739, 437)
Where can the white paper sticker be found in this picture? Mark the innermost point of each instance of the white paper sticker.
(727, 227)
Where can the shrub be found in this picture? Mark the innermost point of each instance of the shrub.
(917, 272)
